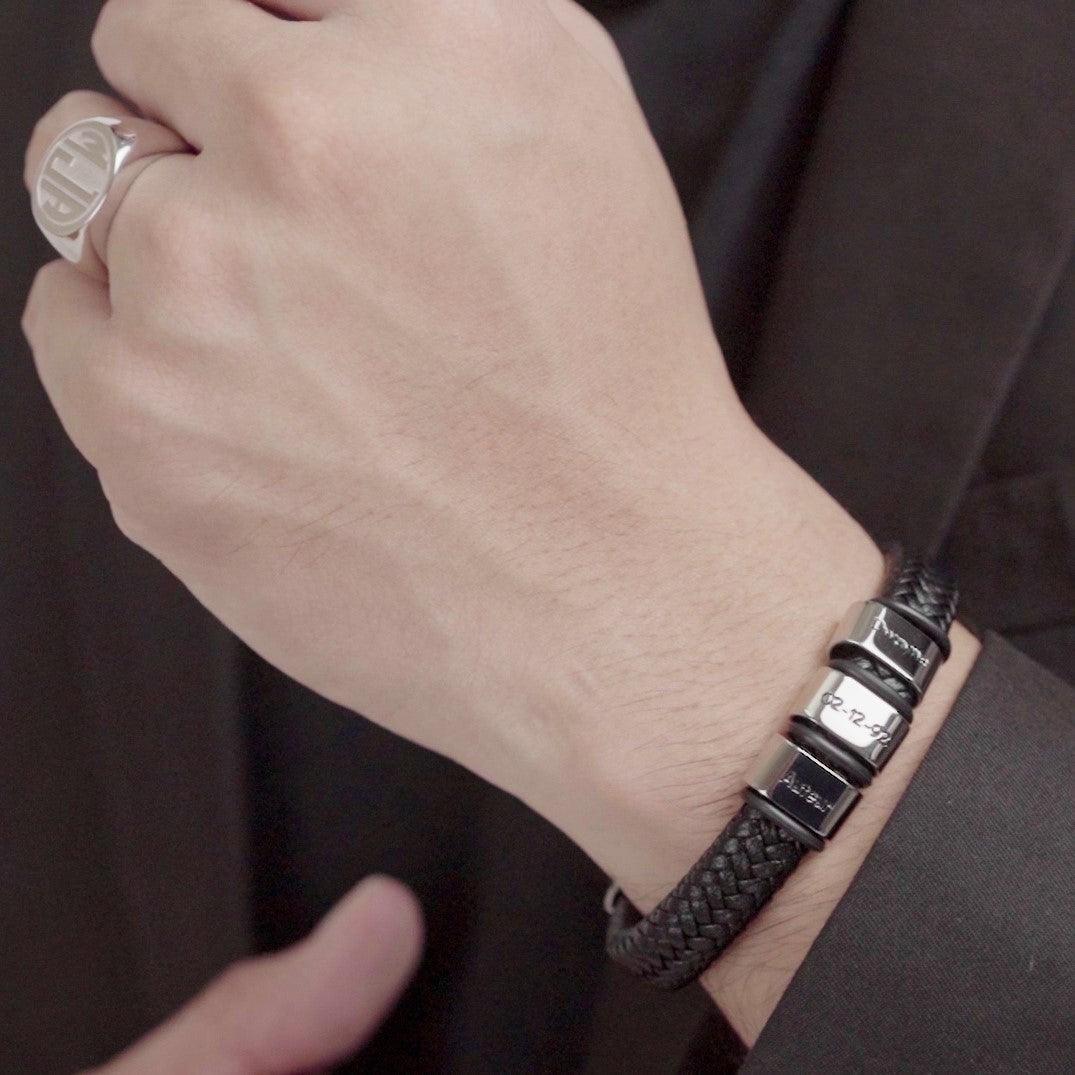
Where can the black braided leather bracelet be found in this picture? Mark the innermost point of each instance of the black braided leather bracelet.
(846, 725)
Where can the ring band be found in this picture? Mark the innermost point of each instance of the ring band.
(78, 173)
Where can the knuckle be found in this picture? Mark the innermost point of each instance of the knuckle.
(35, 309)
(116, 15)
(515, 35)
(123, 28)
(274, 107)
(598, 35)
(71, 103)
(293, 131)
(264, 96)
(164, 230)
(479, 15)
(132, 506)
(127, 522)
(178, 240)
(112, 13)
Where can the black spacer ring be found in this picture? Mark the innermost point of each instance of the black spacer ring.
(818, 741)
(873, 683)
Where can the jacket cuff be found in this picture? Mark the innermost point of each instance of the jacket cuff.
(949, 946)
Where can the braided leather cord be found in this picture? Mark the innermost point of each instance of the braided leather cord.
(916, 585)
(753, 856)
(705, 912)
(927, 590)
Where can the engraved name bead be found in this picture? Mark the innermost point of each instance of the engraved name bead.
(875, 630)
(803, 787)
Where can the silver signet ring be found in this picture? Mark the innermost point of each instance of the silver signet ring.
(78, 174)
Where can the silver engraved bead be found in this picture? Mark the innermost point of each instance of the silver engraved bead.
(804, 788)
(864, 723)
(874, 629)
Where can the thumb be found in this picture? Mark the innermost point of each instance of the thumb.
(300, 1009)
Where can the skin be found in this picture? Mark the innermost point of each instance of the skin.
(296, 1011)
(407, 374)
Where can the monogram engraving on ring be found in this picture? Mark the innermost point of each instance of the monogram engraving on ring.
(835, 702)
(880, 626)
(76, 177)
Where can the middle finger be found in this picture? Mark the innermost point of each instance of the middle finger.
(176, 60)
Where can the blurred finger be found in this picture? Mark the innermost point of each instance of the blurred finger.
(305, 1008)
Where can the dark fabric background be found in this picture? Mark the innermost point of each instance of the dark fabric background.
(94, 728)
(882, 202)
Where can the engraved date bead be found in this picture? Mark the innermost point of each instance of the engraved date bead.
(802, 787)
(863, 722)
(876, 630)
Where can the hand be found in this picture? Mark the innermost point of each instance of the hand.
(300, 1010)
(408, 375)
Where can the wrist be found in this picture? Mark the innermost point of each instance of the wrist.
(672, 773)
(748, 981)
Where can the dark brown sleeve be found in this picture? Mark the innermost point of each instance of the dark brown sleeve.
(952, 950)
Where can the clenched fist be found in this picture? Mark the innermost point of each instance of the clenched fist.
(405, 370)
